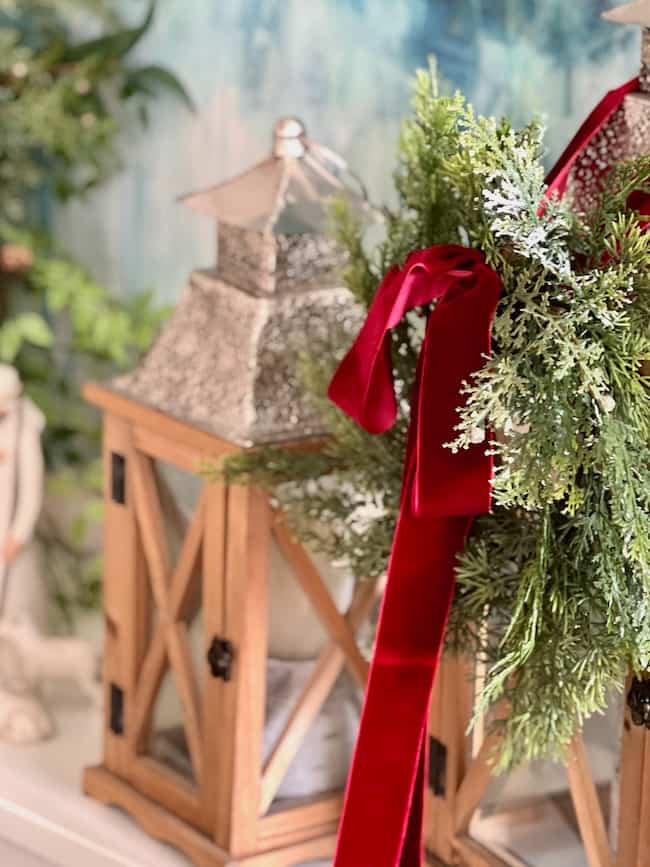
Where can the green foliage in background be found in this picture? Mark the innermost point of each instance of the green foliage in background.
(63, 101)
(561, 569)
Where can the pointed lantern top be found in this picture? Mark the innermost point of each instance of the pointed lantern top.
(287, 193)
(637, 12)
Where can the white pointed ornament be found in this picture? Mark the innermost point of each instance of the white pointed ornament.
(477, 435)
(607, 403)
(637, 12)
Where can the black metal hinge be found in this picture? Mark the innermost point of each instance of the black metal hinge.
(118, 478)
(116, 721)
(437, 767)
(638, 699)
(221, 656)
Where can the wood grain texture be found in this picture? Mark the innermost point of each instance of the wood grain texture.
(215, 739)
(173, 791)
(241, 712)
(587, 807)
(474, 854)
(125, 599)
(152, 530)
(163, 825)
(451, 709)
(635, 769)
(634, 808)
(156, 445)
(158, 822)
(171, 590)
(201, 443)
(307, 817)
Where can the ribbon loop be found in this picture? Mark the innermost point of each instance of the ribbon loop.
(456, 342)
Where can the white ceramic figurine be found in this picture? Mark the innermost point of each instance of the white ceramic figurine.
(23, 719)
(43, 660)
(22, 590)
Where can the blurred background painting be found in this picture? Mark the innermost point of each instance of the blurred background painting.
(344, 67)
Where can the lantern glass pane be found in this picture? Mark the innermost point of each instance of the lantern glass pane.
(172, 732)
(168, 740)
(529, 812)
(322, 762)
(309, 689)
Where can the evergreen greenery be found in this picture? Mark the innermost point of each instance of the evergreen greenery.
(561, 569)
(63, 101)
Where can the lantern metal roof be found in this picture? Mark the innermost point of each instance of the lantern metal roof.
(287, 193)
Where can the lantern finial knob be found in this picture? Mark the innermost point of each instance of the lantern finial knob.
(289, 138)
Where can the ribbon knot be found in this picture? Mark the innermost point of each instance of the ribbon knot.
(441, 492)
(456, 343)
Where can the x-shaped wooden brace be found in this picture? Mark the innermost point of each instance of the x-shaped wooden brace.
(173, 595)
(342, 651)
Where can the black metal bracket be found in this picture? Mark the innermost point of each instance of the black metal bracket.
(118, 478)
(221, 656)
(638, 699)
(116, 720)
(437, 767)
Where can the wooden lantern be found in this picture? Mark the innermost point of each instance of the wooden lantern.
(187, 560)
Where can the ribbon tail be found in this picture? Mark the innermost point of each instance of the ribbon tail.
(383, 812)
(382, 818)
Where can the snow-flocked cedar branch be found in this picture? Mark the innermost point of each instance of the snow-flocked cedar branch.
(561, 568)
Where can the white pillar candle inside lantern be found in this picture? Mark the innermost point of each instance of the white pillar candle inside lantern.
(233, 675)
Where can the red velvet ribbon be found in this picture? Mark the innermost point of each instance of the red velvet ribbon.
(442, 491)
(382, 822)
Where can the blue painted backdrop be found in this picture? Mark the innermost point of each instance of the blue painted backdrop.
(345, 67)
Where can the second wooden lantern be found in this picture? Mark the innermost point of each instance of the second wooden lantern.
(187, 746)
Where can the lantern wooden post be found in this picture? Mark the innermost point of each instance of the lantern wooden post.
(242, 710)
(633, 836)
(227, 815)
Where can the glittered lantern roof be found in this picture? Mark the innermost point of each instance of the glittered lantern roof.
(228, 359)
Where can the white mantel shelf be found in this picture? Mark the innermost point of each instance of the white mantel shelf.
(44, 811)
